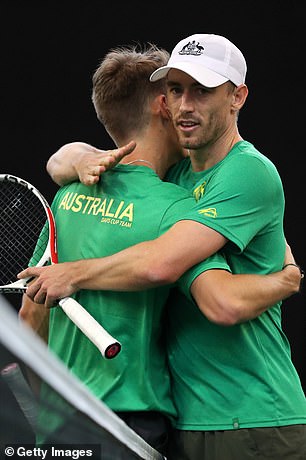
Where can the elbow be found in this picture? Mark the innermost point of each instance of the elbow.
(53, 172)
(158, 274)
(224, 312)
(49, 167)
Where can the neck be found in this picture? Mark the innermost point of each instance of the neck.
(208, 156)
(141, 157)
(141, 161)
(156, 147)
(155, 155)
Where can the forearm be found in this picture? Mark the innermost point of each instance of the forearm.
(143, 266)
(242, 297)
(124, 271)
(151, 263)
(62, 164)
(36, 316)
(83, 162)
(117, 273)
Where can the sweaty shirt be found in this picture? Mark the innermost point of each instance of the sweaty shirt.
(240, 376)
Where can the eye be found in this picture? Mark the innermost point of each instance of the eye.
(203, 90)
(174, 90)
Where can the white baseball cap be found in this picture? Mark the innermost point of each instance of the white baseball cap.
(208, 58)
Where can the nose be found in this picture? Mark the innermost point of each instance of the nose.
(186, 104)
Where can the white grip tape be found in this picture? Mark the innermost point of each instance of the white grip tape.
(108, 346)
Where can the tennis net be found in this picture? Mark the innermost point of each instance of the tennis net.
(66, 419)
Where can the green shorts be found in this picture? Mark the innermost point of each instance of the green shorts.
(276, 443)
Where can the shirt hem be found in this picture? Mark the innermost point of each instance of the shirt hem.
(234, 426)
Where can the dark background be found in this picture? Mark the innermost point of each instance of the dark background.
(49, 51)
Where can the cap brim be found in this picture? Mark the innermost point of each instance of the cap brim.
(203, 75)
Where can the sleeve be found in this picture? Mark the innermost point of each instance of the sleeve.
(216, 261)
(239, 200)
(175, 212)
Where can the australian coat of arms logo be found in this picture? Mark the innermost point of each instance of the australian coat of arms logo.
(192, 48)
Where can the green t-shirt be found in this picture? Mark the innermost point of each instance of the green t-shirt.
(240, 376)
(130, 205)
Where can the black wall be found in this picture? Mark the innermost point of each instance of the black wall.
(49, 51)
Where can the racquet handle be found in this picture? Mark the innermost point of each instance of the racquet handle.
(20, 388)
(107, 345)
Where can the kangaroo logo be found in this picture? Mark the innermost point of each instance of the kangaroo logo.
(192, 48)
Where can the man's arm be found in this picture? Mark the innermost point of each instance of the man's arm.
(143, 266)
(81, 161)
(35, 316)
(228, 299)
(224, 298)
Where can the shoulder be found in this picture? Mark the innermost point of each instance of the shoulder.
(246, 153)
(169, 196)
(246, 163)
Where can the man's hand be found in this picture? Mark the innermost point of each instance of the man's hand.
(51, 283)
(80, 161)
(90, 165)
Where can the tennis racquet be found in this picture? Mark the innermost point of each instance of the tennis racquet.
(22, 392)
(28, 237)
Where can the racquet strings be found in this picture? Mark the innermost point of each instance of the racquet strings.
(22, 218)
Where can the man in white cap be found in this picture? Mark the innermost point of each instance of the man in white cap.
(237, 392)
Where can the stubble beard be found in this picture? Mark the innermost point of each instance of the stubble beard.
(204, 139)
(194, 143)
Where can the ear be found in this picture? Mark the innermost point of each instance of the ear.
(161, 104)
(239, 97)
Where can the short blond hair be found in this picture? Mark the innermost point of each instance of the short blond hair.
(122, 90)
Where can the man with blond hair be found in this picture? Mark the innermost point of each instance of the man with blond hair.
(230, 385)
